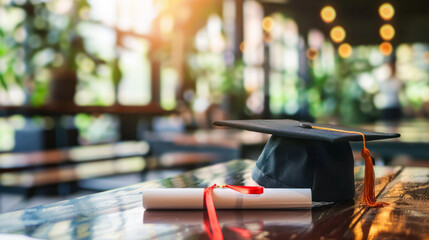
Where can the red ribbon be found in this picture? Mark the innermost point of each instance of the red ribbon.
(213, 223)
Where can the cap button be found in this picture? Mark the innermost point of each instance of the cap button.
(305, 125)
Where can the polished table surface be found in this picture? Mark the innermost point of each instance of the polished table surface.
(118, 214)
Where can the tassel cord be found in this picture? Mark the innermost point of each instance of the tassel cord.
(368, 194)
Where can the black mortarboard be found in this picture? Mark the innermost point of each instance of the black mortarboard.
(308, 155)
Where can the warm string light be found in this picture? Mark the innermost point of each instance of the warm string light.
(386, 11)
(267, 23)
(387, 31)
(338, 34)
(345, 50)
(328, 14)
(386, 48)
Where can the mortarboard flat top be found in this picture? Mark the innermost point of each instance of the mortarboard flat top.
(298, 130)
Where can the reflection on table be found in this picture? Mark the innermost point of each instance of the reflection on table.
(119, 213)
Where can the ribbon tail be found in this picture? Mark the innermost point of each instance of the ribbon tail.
(216, 231)
(211, 226)
(247, 189)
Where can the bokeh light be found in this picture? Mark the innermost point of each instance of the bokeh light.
(345, 50)
(328, 14)
(386, 48)
(312, 53)
(338, 34)
(387, 32)
(386, 11)
(60, 6)
(267, 23)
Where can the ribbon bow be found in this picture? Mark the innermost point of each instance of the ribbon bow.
(212, 227)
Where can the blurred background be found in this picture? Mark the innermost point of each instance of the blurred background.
(148, 77)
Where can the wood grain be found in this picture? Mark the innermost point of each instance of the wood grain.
(407, 216)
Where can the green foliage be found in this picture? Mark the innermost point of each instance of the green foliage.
(232, 79)
(37, 37)
(3, 82)
(39, 94)
(338, 95)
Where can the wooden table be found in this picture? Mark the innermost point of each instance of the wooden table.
(118, 214)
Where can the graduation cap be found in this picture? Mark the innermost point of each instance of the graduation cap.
(309, 155)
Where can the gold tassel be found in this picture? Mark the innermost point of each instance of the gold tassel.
(368, 194)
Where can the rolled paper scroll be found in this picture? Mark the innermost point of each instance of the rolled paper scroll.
(224, 198)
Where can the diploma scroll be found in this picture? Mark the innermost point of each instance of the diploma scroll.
(224, 198)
